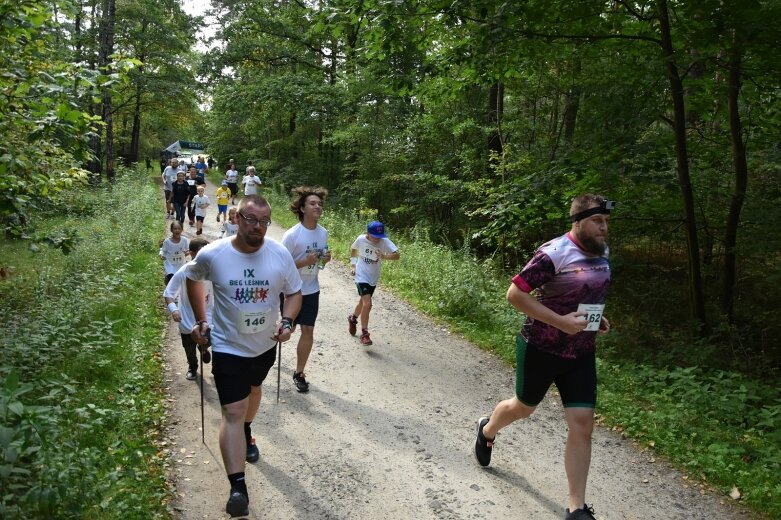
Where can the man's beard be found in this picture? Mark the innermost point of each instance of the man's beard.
(593, 246)
(254, 240)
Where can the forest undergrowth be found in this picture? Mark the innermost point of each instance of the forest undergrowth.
(80, 321)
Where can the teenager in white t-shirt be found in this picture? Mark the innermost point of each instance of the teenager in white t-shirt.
(366, 256)
(307, 241)
(248, 272)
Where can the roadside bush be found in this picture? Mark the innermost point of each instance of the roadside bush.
(80, 402)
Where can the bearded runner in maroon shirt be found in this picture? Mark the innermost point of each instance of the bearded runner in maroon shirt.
(570, 276)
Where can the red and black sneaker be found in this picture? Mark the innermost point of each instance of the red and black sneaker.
(365, 339)
(352, 324)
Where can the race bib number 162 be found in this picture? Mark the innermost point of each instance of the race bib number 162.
(593, 315)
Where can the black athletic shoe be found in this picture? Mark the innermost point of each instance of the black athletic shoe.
(191, 375)
(238, 504)
(587, 513)
(300, 380)
(253, 453)
(483, 446)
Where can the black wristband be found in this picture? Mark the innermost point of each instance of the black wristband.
(286, 323)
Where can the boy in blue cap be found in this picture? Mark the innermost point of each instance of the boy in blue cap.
(366, 255)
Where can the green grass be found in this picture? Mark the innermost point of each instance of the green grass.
(81, 402)
(721, 427)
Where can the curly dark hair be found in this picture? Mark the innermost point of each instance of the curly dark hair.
(299, 198)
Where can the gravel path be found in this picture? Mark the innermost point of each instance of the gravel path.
(386, 431)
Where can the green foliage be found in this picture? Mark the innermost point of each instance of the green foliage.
(80, 403)
(43, 134)
(719, 426)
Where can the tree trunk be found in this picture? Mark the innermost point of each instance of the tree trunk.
(94, 166)
(106, 49)
(495, 111)
(740, 167)
(135, 133)
(571, 106)
(696, 297)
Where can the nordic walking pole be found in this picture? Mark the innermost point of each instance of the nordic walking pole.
(203, 429)
(279, 366)
(203, 422)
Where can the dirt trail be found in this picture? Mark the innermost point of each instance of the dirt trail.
(386, 431)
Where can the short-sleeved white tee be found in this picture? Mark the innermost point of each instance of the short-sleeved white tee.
(246, 289)
(370, 258)
(174, 253)
(169, 177)
(232, 176)
(300, 241)
(229, 229)
(251, 183)
(176, 290)
(201, 202)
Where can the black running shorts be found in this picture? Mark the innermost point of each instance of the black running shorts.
(365, 288)
(576, 379)
(310, 305)
(234, 375)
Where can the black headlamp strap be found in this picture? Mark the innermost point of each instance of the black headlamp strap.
(596, 210)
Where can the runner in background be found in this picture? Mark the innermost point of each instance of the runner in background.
(169, 177)
(201, 202)
(183, 313)
(223, 195)
(251, 182)
(180, 196)
(307, 241)
(232, 176)
(173, 250)
(201, 170)
(230, 226)
(366, 256)
(192, 182)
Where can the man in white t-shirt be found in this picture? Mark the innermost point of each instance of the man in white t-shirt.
(366, 256)
(251, 182)
(232, 176)
(307, 241)
(169, 177)
(248, 272)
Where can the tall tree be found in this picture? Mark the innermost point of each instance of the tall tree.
(106, 50)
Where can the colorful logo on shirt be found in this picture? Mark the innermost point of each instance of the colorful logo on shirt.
(250, 295)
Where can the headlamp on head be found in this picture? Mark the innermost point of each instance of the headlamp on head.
(603, 209)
